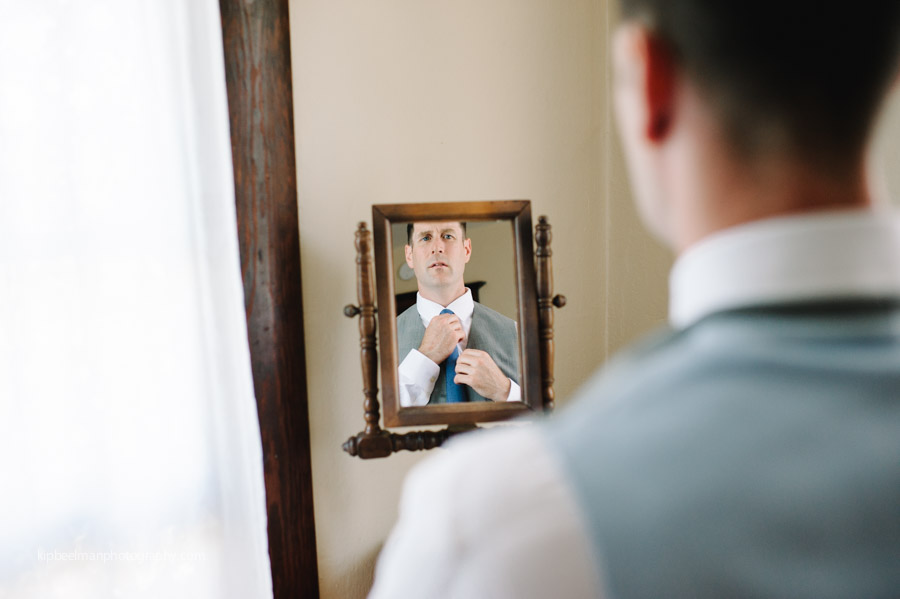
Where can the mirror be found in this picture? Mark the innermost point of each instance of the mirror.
(492, 263)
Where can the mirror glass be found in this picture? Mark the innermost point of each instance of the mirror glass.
(468, 269)
(426, 263)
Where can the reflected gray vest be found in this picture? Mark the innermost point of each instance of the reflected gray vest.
(755, 454)
(491, 332)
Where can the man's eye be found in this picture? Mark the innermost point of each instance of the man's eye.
(426, 237)
(448, 236)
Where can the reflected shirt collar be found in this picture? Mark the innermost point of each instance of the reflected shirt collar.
(463, 307)
(847, 255)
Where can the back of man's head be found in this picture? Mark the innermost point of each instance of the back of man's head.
(801, 77)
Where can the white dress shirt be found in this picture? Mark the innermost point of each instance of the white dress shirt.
(495, 517)
(492, 517)
(417, 373)
(842, 254)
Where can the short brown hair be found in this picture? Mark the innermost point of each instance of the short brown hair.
(809, 76)
(410, 226)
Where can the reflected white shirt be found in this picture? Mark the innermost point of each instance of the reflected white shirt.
(494, 515)
(417, 373)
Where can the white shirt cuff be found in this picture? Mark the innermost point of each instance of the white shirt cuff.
(515, 391)
(417, 375)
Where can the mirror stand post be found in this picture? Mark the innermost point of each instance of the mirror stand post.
(544, 283)
(373, 441)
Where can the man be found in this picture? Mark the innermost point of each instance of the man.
(452, 348)
(753, 450)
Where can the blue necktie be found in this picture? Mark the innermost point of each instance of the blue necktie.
(455, 392)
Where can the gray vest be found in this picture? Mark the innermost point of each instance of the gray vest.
(755, 454)
(491, 332)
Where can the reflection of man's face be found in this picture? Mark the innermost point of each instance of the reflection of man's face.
(438, 254)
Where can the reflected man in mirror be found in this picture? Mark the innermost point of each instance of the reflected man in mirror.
(446, 329)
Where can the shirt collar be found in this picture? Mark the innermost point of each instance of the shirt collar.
(847, 254)
(463, 307)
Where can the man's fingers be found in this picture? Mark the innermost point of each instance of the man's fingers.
(451, 322)
(472, 357)
(468, 356)
(471, 361)
(450, 319)
(477, 369)
(441, 336)
(465, 378)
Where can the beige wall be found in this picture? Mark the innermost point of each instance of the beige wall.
(412, 101)
(887, 161)
(421, 101)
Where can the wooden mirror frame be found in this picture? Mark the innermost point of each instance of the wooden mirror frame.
(519, 213)
(534, 284)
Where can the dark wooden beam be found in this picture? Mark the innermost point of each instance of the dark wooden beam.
(258, 71)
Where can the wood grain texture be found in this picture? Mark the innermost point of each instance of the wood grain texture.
(365, 291)
(258, 73)
(544, 268)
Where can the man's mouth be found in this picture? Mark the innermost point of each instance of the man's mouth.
(436, 264)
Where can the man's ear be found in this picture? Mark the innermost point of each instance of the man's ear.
(467, 245)
(408, 252)
(662, 75)
(647, 66)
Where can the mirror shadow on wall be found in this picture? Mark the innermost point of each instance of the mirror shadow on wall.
(476, 259)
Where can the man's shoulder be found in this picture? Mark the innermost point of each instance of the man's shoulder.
(728, 372)
(482, 311)
(698, 417)
(410, 321)
(409, 330)
(521, 492)
(410, 313)
(490, 329)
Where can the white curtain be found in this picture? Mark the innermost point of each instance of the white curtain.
(131, 455)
